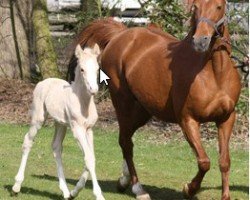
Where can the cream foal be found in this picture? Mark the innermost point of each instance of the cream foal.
(71, 105)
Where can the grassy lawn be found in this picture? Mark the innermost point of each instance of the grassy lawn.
(162, 168)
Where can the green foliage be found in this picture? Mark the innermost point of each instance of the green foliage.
(243, 103)
(91, 10)
(169, 14)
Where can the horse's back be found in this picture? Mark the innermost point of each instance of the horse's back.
(136, 59)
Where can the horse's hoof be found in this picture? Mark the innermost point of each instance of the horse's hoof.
(121, 187)
(185, 192)
(225, 197)
(143, 197)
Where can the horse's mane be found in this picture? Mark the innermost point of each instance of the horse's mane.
(99, 31)
(155, 28)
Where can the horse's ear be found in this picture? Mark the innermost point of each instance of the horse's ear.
(96, 49)
(78, 51)
(189, 5)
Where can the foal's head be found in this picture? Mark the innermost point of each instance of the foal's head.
(209, 17)
(87, 67)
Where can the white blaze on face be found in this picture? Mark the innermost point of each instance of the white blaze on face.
(90, 76)
(88, 66)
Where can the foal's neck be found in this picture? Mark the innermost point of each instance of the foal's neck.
(80, 90)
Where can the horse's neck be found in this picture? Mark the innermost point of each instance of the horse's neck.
(220, 55)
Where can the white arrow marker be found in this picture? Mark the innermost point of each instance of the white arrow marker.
(103, 77)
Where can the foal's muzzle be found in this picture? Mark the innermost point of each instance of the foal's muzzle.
(201, 43)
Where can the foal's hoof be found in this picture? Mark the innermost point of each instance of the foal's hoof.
(13, 193)
(15, 190)
(69, 198)
(143, 197)
(121, 187)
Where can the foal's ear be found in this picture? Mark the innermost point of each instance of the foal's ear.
(96, 49)
(78, 51)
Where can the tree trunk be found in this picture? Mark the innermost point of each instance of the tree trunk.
(14, 50)
(47, 60)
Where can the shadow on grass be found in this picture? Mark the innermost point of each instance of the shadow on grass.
(109, 186)
(34, 192)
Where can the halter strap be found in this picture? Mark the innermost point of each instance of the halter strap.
(213, 24)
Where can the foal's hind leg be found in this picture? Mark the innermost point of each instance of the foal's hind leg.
(192, 133)
(225, 131)
(60, 131)
(38, 115)
(27, 144)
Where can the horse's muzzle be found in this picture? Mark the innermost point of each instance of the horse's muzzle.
(201, 43)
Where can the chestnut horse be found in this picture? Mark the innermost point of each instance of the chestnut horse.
(188, 82)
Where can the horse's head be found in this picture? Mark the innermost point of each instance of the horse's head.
(208, 18)
(87, 67)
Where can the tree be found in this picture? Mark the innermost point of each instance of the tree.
(46, 56)
(14, 53)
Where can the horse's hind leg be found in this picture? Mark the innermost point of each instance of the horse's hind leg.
(60, 131)
(225, 131)
(131, 115)
(37, 120)
(192, 133)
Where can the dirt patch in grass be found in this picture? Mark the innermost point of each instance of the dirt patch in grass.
(16, 98)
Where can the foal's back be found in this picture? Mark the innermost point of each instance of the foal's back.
(52, 95)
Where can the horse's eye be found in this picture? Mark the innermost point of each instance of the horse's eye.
(82, 70)
(219, 7)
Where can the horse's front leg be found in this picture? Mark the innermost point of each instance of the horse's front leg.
(80, 133)
(191, 130)
(225, 131)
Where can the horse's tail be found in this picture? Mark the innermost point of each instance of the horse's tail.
(99, 31)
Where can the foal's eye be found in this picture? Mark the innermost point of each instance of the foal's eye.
(82, 70)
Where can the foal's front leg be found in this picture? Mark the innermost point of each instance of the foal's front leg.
(80, 133)
(81, 183)
(60, 131)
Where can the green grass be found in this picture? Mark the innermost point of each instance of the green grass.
(162, 168)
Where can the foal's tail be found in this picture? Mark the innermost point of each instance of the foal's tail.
(99, 31)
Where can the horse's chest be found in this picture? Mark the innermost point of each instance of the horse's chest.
(213, 108)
